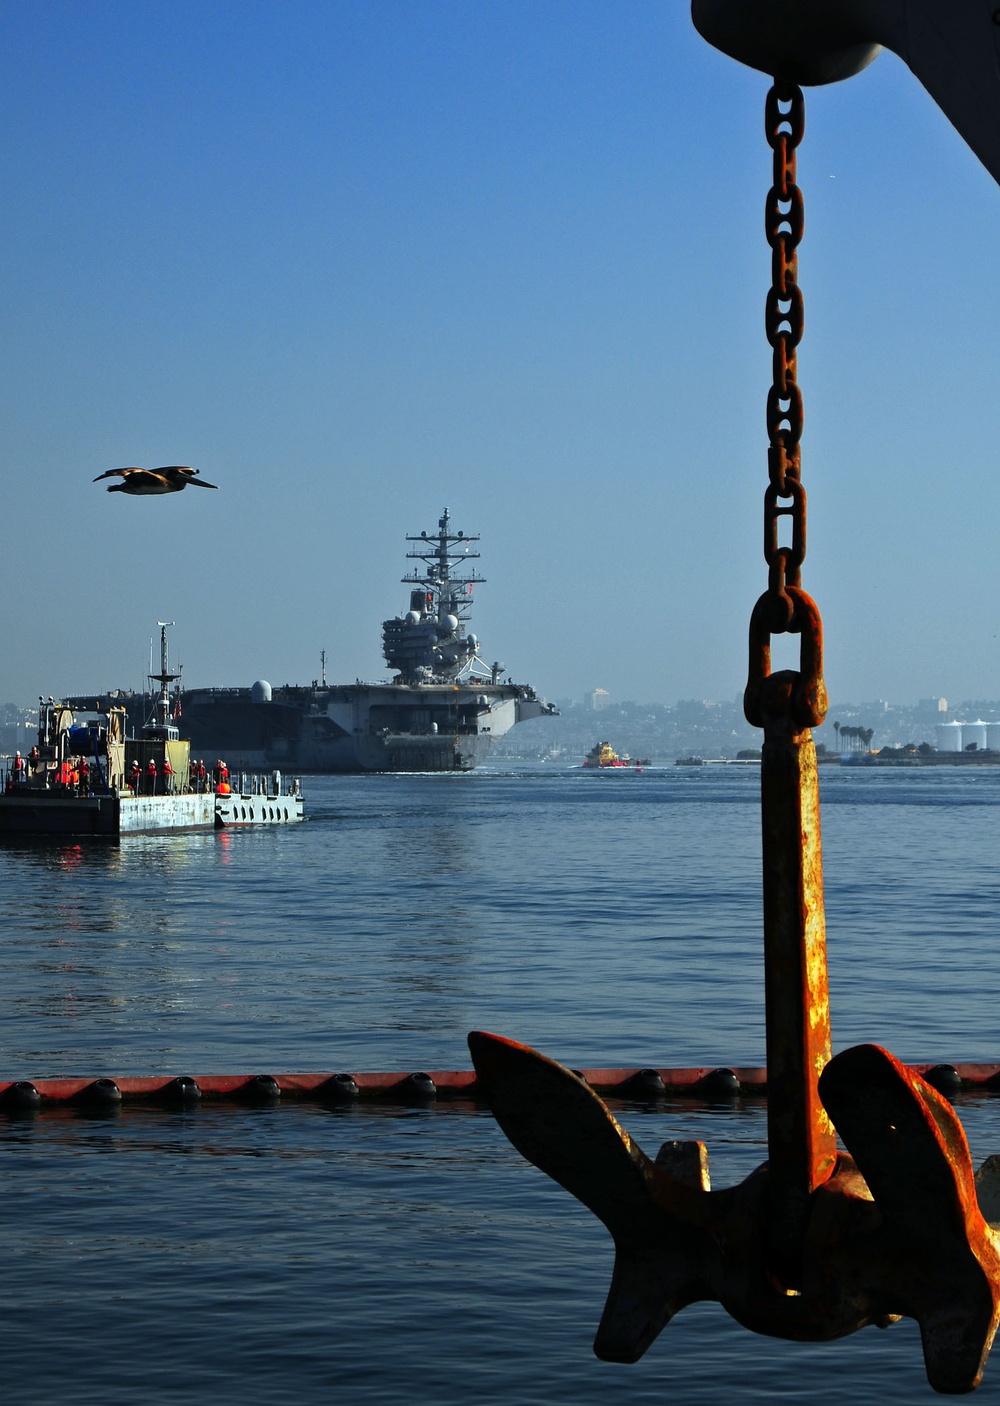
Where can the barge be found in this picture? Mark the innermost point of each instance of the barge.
(84, 776)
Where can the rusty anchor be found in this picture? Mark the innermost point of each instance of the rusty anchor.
(817, 1242)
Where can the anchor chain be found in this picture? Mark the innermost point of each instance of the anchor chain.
(802, 1144)
(785, 607)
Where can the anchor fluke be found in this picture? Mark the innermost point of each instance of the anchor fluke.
(936, 1258)
(895, 1230)
(564, 1129)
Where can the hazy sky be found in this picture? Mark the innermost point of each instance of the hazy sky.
(362, 260)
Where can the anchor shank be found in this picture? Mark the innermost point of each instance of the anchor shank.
(802, 1144)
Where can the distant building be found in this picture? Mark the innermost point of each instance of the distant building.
(974, 736)
(949, 737)
(600, 698)
(18, 728)
(931, 707)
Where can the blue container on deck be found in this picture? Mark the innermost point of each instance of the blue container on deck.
(87, 741)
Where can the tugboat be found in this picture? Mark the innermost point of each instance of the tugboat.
(602, 755)
(85, 777)
(442, 711)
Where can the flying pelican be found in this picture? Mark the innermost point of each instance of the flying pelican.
(170, 479)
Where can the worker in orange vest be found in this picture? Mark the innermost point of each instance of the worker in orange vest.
(151, 776)
(166, 772)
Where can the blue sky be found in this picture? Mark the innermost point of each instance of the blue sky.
(359, 261)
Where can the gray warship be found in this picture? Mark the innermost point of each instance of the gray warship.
(442, 711)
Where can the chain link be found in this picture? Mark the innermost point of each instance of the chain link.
(784, 224)
(785, 607)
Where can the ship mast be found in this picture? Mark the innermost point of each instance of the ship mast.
(161, 708)
(448, 591)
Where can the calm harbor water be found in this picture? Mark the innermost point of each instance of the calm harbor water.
(303, 1254)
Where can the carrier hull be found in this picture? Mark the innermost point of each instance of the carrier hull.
(357, 727)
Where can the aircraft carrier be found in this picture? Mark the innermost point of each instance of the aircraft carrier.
(442, 711)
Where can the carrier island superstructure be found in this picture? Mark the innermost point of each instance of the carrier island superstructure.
(442, 711)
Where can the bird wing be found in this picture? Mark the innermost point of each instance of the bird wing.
(110, 473)
(187, 474)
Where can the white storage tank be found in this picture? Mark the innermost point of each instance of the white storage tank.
(949, 737)
(993, 736)
(974, 733)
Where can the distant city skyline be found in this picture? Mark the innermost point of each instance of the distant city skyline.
(935, 706)
(358, 262)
